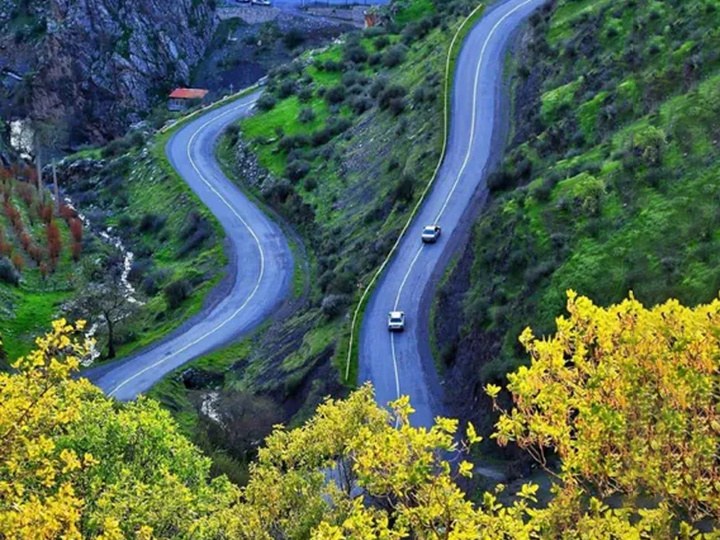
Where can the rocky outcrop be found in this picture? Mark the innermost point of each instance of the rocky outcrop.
(97, 63)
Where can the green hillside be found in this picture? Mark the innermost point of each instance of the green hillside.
(611, 182)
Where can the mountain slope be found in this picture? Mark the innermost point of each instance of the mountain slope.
(610, 184)
(95, 64)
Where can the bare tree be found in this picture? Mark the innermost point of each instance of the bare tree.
(104, 300)
(49, 139)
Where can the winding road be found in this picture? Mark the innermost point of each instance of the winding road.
(402, 364)
(260, 269)
(261, 261)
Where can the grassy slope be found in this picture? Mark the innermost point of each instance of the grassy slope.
(27, 310)
(611, 183)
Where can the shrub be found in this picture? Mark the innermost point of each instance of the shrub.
(233, 134)
(374, 59)
(352, 78)
(360, 104)
(332, 65)
(152, 223)
(394, 56)
(356, 53)
(305, 94)
(404, 190)
(287, 89)
(292, 142)
(266, 102)
(499, 181)
(377, 86)
(293, 38)
(310, 184)
(197, 229)
(8, 272)
(392, 97)
(335, 95)
(333, 305)
(116, 148)
(381, 42)
(176, 292)
(306, 115)
(297, 169)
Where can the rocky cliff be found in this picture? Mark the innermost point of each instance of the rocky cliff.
(96, 64)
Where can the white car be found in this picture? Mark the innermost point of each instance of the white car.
(430, 234)
(396, 321)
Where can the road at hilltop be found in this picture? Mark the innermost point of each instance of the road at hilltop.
(259, 274)
(402, 364)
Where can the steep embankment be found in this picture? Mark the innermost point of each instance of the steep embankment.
(610, 183)
(95, 64)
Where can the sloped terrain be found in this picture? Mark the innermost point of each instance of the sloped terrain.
(610, 184)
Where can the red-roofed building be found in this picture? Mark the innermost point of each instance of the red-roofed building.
(182, 98)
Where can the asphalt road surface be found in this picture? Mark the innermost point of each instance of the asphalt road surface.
(401, 364)
(260, 269)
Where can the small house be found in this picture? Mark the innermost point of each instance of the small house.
(183, 98)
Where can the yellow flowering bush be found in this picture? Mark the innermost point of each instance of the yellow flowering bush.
(625, 397)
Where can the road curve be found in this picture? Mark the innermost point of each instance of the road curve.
(260, 261)
(401, 364)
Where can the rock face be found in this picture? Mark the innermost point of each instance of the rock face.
(95, 63)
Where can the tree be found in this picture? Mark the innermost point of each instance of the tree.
(623, 395)
(627, 397)
(74, 464)
(104, 298)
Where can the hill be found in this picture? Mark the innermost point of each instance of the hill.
(609, 184)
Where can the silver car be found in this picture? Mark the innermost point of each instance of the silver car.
(430, 234)
(396, 321)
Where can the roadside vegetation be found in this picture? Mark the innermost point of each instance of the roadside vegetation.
(635, 459)
(610, 183)
(42, 244)
(73, 259)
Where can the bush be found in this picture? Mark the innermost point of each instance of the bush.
(152, 223)
(499, 181)
(394, 56)
(305, 94)
(287, 89)
(392, 97)
(351, 78)
(333, 305)
(374, 59)
(116, 148)
(293, 38)
(297, 169)
(233, 134)
(355, 53)
(292, 142)
(266, 102)
(381, 42)
(306, 115)
(404, 190)
(332, 65)
(277, 191)
(377, 86)
(310, 184)
(335, 95)
(8, 272)
(176, 292)
(360, 104)
(197, 229)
